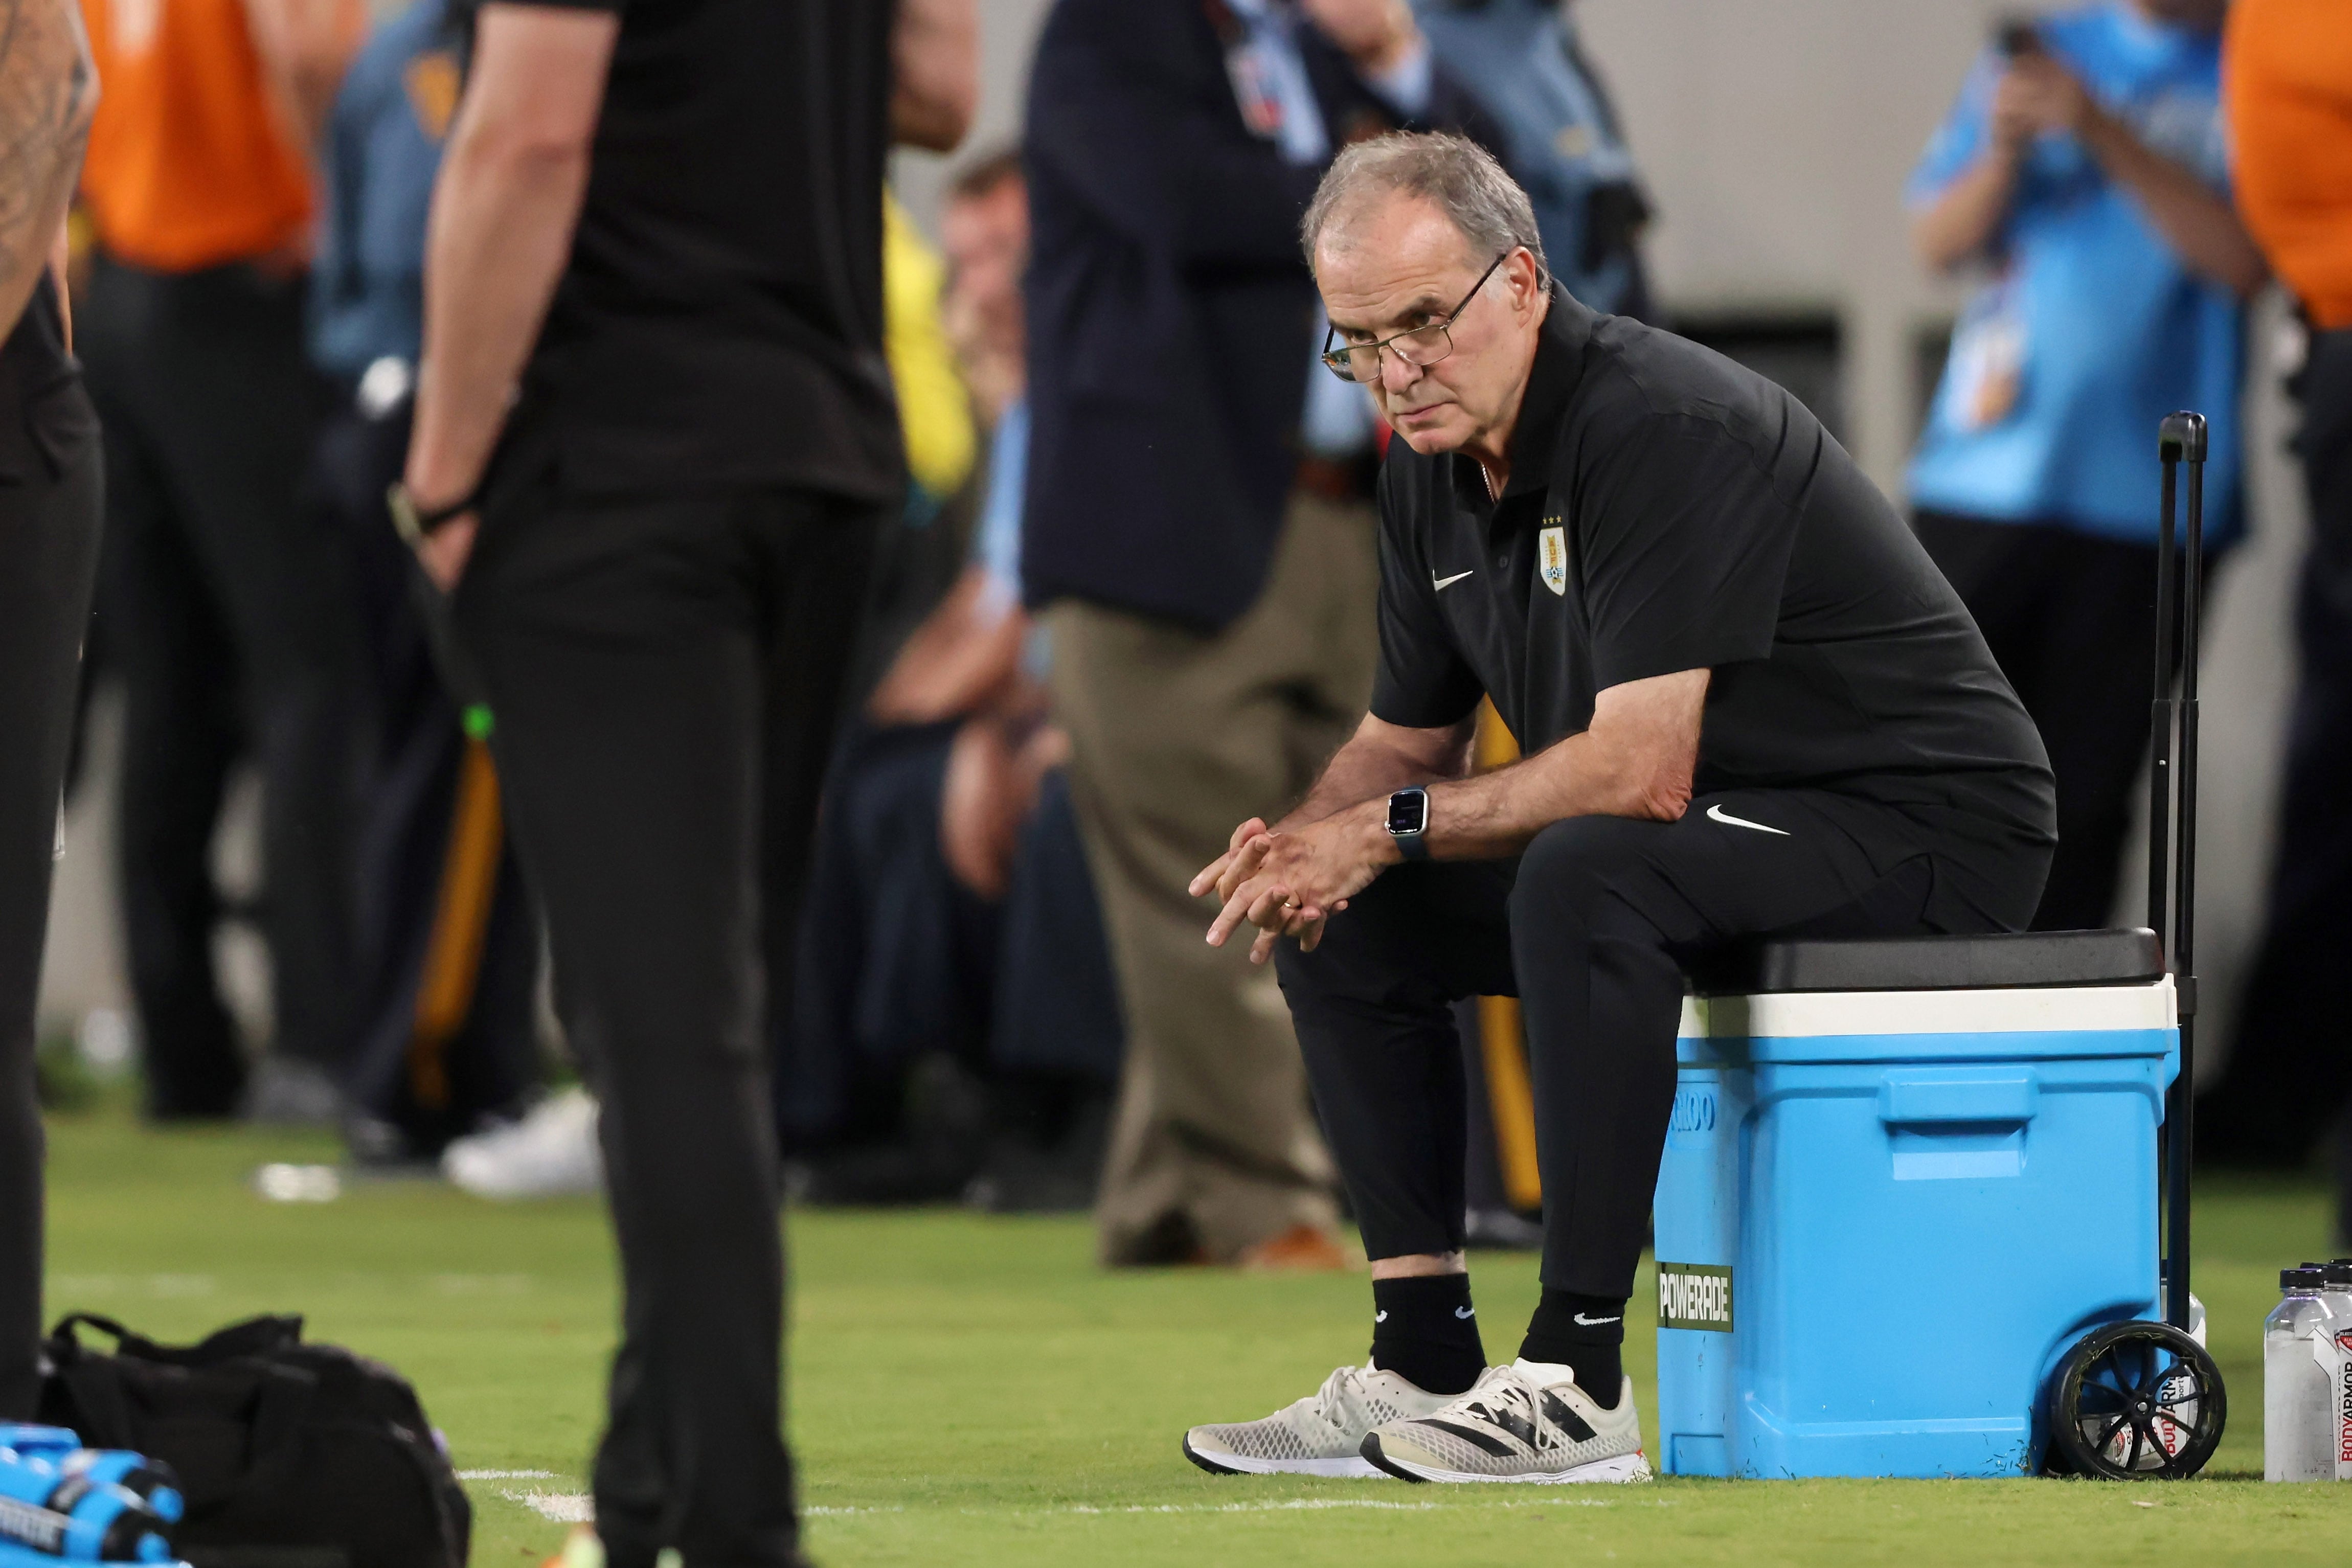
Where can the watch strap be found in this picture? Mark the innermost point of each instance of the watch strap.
(413, 522)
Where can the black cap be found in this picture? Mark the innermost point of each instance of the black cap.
(2301, 1279)
(2338, 1272)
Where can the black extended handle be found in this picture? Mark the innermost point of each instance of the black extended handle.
(2172, 821)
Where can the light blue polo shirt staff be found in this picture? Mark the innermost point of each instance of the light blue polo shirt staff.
(2095, 327)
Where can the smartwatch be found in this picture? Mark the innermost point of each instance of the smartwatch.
(1408, 820)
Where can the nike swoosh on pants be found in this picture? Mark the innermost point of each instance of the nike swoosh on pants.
(1717, 814)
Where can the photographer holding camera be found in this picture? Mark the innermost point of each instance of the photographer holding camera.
(2083, 167)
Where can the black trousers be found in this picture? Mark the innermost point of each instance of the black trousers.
(1590, 927)
(665, 673)
(2071, 619)
(49, 502)
(2290, 1067)
(899, 958)
(228, 616)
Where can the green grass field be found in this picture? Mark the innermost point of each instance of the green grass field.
(973, 1391)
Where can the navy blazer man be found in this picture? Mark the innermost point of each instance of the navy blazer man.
(1171, 315)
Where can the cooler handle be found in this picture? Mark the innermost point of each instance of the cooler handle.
(1908, 1098)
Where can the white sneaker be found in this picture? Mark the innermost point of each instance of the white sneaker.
(1524, 1422)
(550, 1153)
(1317, 1436)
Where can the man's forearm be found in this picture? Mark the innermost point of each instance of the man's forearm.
(1368, 768)
(503, 217)
(47, 89)
(1959, 224)
(2198, 220)
(1637, 760)
(935, 72)
(1496, 814)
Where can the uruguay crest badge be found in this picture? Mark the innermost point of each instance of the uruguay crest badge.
(1552, 559)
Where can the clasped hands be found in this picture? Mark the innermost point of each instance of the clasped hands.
(1288, 882)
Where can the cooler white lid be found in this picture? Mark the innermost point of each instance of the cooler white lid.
(1811, 1014)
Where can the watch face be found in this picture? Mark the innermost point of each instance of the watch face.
(1408, 812)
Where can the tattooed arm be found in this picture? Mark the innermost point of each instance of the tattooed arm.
(47, 89)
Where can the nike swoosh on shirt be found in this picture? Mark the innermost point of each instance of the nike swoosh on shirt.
(1380, 1317)
(1442, 583)
(1595, 1322)
(1465, 1312)
(1717, 814)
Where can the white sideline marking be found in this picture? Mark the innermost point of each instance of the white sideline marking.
(1309, 1503)
(563, 1508)
(507, 1475)
(578, 1507)
(1288, 1505)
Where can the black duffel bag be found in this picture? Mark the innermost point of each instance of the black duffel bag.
(290, 1455)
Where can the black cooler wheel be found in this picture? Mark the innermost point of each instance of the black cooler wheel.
(2135, 1401)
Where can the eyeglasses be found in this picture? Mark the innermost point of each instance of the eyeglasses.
(1421, 346)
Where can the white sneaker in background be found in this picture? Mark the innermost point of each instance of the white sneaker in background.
(1316, 1436)
(550, 1153)
(1521, 1423)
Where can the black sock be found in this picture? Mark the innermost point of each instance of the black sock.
(1586, 1333)
(1426, 1331)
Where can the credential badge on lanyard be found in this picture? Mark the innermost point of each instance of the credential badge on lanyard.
(1987, 356)
(1246, 68)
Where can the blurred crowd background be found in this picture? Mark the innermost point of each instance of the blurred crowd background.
(285, 893)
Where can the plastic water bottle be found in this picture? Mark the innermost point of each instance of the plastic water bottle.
(2296, 1425)
(2337, 1296)
(2196, 1307)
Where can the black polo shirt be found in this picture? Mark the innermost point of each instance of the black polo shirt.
(1670, 510)
(720, 322)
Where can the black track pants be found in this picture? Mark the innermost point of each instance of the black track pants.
(2072, 619)
(228, 610)
(2290, 1065)
(665, 674)
(49, 555)
(1590, 928)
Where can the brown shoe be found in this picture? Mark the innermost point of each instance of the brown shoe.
(1301, 1249)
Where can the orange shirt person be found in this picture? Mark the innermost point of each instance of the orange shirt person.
(224, 605)
(2287, 90)
(200, 151)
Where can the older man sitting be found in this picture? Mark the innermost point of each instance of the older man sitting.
(1750, 704)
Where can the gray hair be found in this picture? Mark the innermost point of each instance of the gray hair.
(1454, 174)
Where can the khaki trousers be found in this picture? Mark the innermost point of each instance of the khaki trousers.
(1177, 737)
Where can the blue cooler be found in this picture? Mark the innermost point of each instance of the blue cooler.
(1902, 1180)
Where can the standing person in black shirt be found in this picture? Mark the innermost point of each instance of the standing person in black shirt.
(654, 438)
(49, 485)
(1749, 704)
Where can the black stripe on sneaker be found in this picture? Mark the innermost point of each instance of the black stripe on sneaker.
(1517, 1425)
(1472, 1435)
(1556, 1410)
